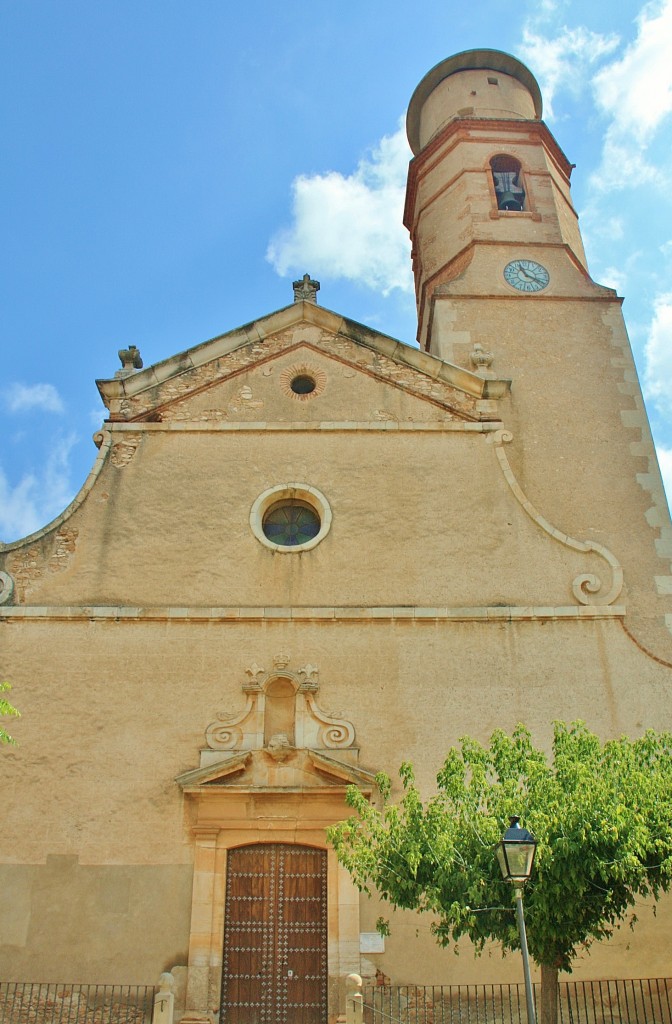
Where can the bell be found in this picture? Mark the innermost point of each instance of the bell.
(509, 201)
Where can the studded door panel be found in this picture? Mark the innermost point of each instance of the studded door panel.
(275, 936)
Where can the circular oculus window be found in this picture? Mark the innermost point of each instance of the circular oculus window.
(291, 523)
(303, 382)
(290, 517)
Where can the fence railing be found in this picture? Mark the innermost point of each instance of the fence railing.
(55, 1003)
(626, 1001)
(641, 1001)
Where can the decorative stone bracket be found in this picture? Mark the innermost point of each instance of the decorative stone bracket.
(280, 714)
(587, 588)
(6, 588)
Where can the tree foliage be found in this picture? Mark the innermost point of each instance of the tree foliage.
(602, 815)
(7, 710)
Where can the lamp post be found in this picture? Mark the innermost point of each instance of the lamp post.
(515, 854)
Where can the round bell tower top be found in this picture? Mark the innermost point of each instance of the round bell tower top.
(474, 83)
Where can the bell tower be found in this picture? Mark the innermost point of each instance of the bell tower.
(487, 175)
(500, 268)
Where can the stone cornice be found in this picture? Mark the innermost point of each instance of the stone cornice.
(321, 613)
(333, 426)
(299, 313)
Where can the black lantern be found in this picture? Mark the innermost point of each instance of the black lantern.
(515, 852)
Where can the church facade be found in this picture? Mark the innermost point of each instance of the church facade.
(306, 552)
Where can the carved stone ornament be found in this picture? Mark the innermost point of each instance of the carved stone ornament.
(279, 747)
(306, 289)
(587, 588)
(285, 697)
(6, 588)
(130, 361)
(481, 361)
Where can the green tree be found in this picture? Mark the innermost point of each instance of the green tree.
(602, 815)
(7, 710)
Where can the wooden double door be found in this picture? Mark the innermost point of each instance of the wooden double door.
(275, 935)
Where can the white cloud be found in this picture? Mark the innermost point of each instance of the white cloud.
(39, 496)
(97, 415)
(635, 93)
(612, 277)
(658, 355)
(22, 397)
(349, 226)
(623, 164)
(565, 59)
(600, 228)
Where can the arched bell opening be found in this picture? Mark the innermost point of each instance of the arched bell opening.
(507, 176)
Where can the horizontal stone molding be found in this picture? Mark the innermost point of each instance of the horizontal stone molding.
(245, 613)
(254, 426)
(609, 296)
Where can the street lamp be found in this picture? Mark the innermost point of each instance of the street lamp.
(515, 854)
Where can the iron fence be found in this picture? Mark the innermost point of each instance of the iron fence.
(55, 1003)
(641, 1001)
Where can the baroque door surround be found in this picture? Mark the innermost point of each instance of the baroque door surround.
(275, 772)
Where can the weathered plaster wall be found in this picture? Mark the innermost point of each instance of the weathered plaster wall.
(169, 525)
(65, 921)
(582, 447)
(119, 709)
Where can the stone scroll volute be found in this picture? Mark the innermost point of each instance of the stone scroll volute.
(280, 710)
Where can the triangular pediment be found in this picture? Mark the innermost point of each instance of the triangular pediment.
(214, 773)
(246, 375)
(259, 770)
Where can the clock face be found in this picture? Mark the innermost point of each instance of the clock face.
(526, 275)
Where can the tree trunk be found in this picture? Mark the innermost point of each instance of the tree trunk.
(549, 995)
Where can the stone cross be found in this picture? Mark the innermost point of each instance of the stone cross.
(306, 289)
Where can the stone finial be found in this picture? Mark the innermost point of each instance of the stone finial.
(354, 1000)
(309, 676)
(130, 361)
(164, 1000)
(306, 289)
(254, 673)
(481, 361)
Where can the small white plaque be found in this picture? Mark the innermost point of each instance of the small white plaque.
(371, 942)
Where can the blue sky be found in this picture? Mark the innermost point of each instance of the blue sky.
(169, 168)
